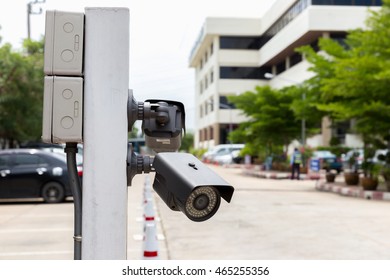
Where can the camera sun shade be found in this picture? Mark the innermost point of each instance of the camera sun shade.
(186, 184)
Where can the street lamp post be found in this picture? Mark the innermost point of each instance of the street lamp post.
(303, 120)
(31, 12)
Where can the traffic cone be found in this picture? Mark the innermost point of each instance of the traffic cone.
(150, 246)
(149, 211)
(147, 194)
(147, 181)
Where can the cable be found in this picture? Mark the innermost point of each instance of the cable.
(75, 185)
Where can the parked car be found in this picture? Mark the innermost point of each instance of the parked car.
(32, 173)
(359, 156)
(329, 159)
(223, 154)
(376, 158)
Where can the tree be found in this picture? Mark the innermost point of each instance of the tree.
(272, 124)
(353, 81)
(187, 143)
(21, 92)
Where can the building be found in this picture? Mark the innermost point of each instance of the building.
(233, 55)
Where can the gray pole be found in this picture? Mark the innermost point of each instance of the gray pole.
(303, 126)
(31, 12)
(28, 19)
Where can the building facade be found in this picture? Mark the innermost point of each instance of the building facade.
(234, 55)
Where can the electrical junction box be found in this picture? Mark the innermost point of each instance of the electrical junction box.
(64, 43)
(62, 110)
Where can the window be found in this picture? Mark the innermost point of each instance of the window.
(205, 134)
(26, 159)
(206, 82)
(300, 5)
(285, 19)
(200, 135)
(241, 43)
(243, 72)
(201, 111)
(211, 104)
(224, 103)
(211, 133)
(211, 49)
(201, 87)
(211, 77)
(4, 161)
(339, 38)
(295, 59)
(348, 2)
(280, 67)
(315, 46)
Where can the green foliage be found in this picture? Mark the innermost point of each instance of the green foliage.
(21, 91)
(197, 152)
(133, 133)
(187, 142)
(353, 82)
(272, 123)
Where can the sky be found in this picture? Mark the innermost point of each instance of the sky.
(162, 33)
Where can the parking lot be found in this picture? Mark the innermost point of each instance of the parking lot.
(267, 219)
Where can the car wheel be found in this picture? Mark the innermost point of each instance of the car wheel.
(53, 192)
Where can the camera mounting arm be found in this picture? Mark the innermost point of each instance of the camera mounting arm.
(137, 164)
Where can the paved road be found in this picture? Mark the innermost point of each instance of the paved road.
(267, 219)
(282, 219)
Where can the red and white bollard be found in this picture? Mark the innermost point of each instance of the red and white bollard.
(150, 246)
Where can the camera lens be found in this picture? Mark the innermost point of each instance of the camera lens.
(202, 203)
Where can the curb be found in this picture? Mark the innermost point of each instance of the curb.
(277, 175)
(357, 192)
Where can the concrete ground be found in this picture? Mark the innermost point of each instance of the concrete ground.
(267, 219)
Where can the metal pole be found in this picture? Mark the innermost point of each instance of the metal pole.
(31, 12)
(28, 19)
(303, 125)
(105, 133)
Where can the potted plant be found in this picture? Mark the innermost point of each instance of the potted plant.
(369, 181)
(330, 175)
(371, 172)
(351, 175)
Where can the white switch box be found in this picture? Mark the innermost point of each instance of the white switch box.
(64, 43)
(63, 110)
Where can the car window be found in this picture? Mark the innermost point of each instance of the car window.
(26, 159)
(4, 161)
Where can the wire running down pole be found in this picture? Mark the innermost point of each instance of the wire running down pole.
(75, 185)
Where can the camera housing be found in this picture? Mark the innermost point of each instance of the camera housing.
(163, 122)
(185, 184)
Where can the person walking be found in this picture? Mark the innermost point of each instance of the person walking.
(296, 160)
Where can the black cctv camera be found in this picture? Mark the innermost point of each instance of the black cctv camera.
(162, 122)
(186, 184)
